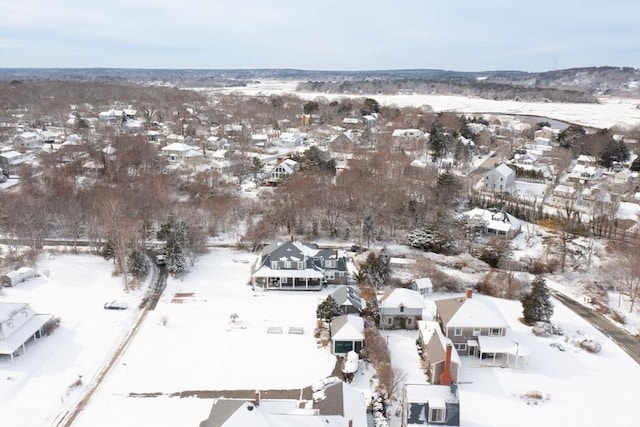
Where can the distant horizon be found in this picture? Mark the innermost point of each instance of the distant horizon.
(349, 35)
(317, 70)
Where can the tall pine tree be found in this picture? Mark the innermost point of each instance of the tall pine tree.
(536, 305)
(328, 309)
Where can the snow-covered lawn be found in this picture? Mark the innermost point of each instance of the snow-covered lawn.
(34, 389)
(190, 343)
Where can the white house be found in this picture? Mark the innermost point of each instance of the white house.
(501, 179)
(18, 324)
(281, 170)
(493, 222)
(401, 309)
(423, 286)
(347, 334)
(28, 140)
(179, 152)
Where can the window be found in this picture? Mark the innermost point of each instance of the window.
(436, 415)
(460, 346)
(389, 320)
(329, 275)
(402, 309)
(287, 264)
(495, 332)
(409, 321)
(476, 332)
(330, 263)
(457, 332)
(274, 265)
(300, 265)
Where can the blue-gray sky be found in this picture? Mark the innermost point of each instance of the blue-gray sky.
(461, 35)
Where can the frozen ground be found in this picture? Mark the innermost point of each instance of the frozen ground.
(609, 112)
(190, 343)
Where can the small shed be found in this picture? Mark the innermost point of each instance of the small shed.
(423, 286)
(20, 275)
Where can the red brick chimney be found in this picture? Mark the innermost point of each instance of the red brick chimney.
(445, 376)
(469, 293)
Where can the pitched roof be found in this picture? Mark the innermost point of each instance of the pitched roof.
(436, 343)
(462, 312)
(342, 399)
(402, 296)
(348, 295)
(504, 170)
(347, 327)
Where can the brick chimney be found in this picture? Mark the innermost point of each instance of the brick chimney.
(257, 402)
(469, 293)
(445, 376)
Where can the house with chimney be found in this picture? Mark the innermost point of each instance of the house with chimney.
(430, 405)
(441, 359)
(336, 405)
(469, 323)
(299, 266)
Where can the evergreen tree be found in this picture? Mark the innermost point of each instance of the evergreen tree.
(175, 259)
(328, 309)
(138, 264)
(536, 305)
(376, 268)
(635, 166)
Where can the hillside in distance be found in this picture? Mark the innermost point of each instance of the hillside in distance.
(569, 85)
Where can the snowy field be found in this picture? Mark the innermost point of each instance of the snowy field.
(190, 343)
(34, 389)
(609, 112)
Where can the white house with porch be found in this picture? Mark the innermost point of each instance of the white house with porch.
(19, 324)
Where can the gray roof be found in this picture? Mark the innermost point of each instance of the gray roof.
(333, 401)
(221, 411)
(348, 293)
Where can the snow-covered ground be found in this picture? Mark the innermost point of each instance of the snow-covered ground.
(190, 343)
(608, 112)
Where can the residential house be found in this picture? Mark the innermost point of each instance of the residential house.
(437, 352)
(596, 201)
(349, 300)
(526, 160)
(347, 334)
(337, 405)
(465, 320)
(487, 221)
(585, 160)
(623, 181)
(298, 266)
(500, 179)
(28, 140)
(546, 132)
(585, 175)
(281, 171)
(563, 196)
(401, 308)
(183, 154)
(430, 405)
(423, 286)
(10, 161)
(290, 139)
(18, 324)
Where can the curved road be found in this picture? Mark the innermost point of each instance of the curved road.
(604, 325)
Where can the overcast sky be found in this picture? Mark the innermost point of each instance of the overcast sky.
(462, 35)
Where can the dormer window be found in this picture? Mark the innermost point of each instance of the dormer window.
(402, 309)
(300, 265)
(287, 264)
(274, 265)
(330, 263)
(436, 413)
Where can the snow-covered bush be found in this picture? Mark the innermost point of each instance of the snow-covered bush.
(379, 408)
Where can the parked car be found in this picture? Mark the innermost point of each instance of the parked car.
(160, 260)
(116, 305)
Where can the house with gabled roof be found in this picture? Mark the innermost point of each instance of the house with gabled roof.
(401, 308)
(423, 286)
(337, 405)
(294, 265)
(495, 222)
(19, 324)
(434, 352)
(465, 320)
(349, 300)
(347, 334)
(430, 405)
(283, 169)
(501, 179)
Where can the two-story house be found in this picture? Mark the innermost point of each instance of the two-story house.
(466, 320)
(349, 300)
(293, 265)
(501, 179)
(401, 308)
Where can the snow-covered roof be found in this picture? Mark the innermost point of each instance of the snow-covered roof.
(402, 296)
(310, 273)
(425, 392)
(423, 283)
(179, 147)
(347, 327)
(462, 312)
(504, 170)
(499, 220)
